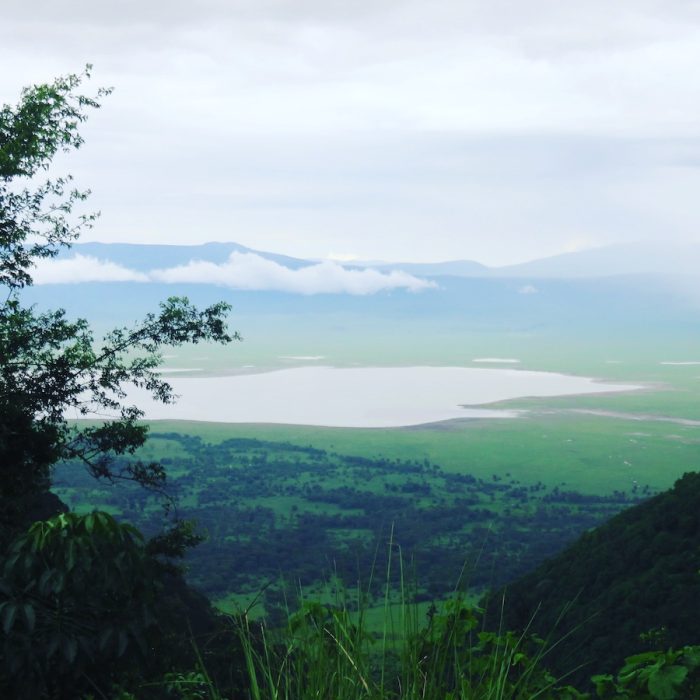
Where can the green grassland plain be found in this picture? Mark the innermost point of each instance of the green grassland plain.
(588, 453)
(593, 443)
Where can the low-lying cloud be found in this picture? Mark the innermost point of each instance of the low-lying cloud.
(83, 268)
(528, 289)
(253, 272)
(241, 271)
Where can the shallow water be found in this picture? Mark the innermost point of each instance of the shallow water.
(367, 397)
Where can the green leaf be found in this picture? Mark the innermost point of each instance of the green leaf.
(29, 616)
(44, 581)
(11, 562)
(518, 657)
(640, 659)
(691, 656)
(58, 581)
(71, 555)
(662, 682)
(8, 617)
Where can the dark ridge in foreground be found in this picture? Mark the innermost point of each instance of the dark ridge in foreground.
(627, 586)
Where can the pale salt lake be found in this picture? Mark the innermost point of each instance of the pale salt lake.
(366, 397)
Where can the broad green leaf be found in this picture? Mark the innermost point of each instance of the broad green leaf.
(71, 555)
(58, 581)
(662, 682)
(29, 616)
(44, 581)
(691, 656)
(8, 617)
(11, 563)
(640, 659)
(518, 657)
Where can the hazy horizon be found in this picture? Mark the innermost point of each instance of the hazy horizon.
(648, 245)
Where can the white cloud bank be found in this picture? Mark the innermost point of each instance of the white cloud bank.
(83, 268)
(253, 272)
(240, 271)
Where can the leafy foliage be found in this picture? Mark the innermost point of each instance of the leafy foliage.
(52, 368)
(657, 675)
(75, 592)
(79, 595)
(87, 605)
(34, 219)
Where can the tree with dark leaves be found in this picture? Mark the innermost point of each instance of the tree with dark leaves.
(52, 368)
(86, 605)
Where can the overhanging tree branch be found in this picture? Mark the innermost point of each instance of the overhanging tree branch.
(50, 365)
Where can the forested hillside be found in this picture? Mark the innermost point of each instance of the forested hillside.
(626, 586)
(275, 512)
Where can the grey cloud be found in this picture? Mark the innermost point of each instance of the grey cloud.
(602, 23)
(437, 196)
(493, 130)
(310, 65)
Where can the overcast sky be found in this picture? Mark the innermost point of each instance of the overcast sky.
(387, 129)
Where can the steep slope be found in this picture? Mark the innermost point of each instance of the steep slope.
(637, 573)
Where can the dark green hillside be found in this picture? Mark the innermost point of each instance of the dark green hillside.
(639, 572)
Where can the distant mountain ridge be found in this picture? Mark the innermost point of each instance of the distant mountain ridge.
(627, 259)
(458, 299)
